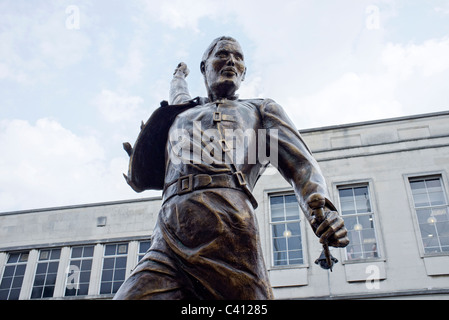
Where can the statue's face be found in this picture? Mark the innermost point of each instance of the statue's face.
(225, 69)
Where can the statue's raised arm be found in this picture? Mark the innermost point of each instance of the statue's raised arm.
(179, 91)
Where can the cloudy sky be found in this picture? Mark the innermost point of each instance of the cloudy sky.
(77, 77)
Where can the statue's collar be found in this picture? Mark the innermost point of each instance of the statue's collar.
(221, 100)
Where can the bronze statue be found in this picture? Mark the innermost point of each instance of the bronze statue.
(206, 242)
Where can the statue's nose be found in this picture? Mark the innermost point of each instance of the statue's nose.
(231, 60)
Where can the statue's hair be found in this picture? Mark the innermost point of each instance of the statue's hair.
(212, 46)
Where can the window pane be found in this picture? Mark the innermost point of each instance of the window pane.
(13, 257)
(55, 253)
(86, 265)
(442, 228)
(48, 291)
(120, 262)
(6, 283)
(418, 186)
(294, 243)
(346, 194)
(14, 294)
(108, 263)
(278, 230)
(294, 228)
(122, 249)
(77, 252)
(347, 207)
(433, 185)
(437, 198)
(88, 251)
(277, 208)
(291, 208)
(144, 246)
(106, 288)
(107, 275)
(279, 244)
(110, 249)
(44, 255)
(9, 271)
(423, 215)
(119, 274)
(53, 267)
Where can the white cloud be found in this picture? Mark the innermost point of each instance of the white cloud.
(374, 94)
(179, 14)
(428, 58)
(36, 41)
(131, 72)
(44, 164)
(116, 107)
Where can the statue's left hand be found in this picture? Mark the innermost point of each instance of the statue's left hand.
(181, 70)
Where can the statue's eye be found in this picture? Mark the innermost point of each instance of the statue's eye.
(221, 55)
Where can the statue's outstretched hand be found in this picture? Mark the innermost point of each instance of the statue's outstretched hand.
(330, 228)
(181, 70)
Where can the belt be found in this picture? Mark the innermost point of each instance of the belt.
(190, 183)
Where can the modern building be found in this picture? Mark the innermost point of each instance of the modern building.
(388, 178)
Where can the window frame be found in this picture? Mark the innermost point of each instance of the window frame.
(300, 220)
(13, 277)
(82, 260)
(369, 184)
(444, 183)
(115, 256)
(48, 260)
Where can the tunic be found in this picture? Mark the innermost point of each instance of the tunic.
(206, 241)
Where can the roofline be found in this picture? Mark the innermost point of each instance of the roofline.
(373, 122)
(78, 206)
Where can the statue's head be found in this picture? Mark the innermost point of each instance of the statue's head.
(223, 68)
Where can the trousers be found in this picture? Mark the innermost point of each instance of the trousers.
(205, 246)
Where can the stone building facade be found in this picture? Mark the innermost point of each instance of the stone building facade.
(388, 178)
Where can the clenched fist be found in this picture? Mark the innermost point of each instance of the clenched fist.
(181, 70)
(326, 223)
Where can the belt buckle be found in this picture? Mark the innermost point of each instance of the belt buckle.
(240, 178)
(185, 184)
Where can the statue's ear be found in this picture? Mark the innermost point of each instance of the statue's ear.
(244, 74)
(203, 67)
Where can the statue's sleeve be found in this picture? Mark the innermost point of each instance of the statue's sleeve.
(179, 90)
(295, 161)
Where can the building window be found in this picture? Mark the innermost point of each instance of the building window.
(143, 248)
(78, 273)
(285, 230)
(46, 271)
(12, 277)
(431, 209)
(358, 215)
(114, 267)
